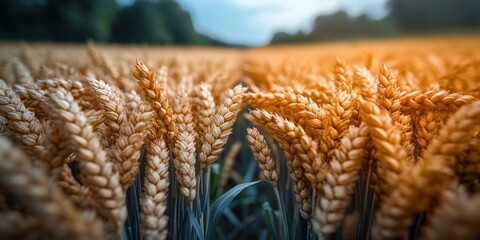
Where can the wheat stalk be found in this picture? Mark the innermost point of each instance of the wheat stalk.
(261, 153)
(184, 148)
(228, 170)
(221, 127)
(425, 130)
(97, 170)
(303, 161)
(155, 188)
(387, 141)
(340, 181)
(153, 91)
(131, 137)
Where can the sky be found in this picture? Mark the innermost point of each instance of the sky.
(254, 22)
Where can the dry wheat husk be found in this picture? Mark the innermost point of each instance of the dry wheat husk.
(45, 201)
(97, 171)
(262, 155)
(155, 191)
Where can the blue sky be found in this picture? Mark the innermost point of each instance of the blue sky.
(253, 22)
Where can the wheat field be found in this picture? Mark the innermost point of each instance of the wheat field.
(364, 140)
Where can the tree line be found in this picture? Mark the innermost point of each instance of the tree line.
(144, 21)
(405, 17)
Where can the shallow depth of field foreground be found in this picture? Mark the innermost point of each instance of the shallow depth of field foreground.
(365, 140)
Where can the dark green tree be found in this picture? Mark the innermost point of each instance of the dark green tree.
(179, 23)
(141, 23)
(145, 21)
(22, 20)
(78, 21)
(421, 15)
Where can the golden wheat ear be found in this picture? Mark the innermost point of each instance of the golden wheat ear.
(22, 124)
(440, 100)
(203, 106)
(262, 155)
(303, 160)
(391, 156)
(34, 99)
(155, 187)
(112, 103)
(221, 126)
(340, 181)
(294, 107)
(31, 186)
(416, 189)
(154, 94)
(184, 151)
(98, 172)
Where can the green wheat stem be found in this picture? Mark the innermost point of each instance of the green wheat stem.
(283, 216)
(199, 208)
(206, 210)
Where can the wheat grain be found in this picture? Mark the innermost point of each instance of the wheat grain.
(33, 98)
(441, 100)
(204, 110)
(155, 187)
(389, 151)
(153, 91)
(184, 148)
(304, 148)
(261, 153)
(221, 127)
(93, 164)
(303, 161)
(80, 195)
(22, 124)
(112, 104)
(340, 181)
(3, 124)
(297, 108)
(30, 185)
(425, 130)
(389, 96)
(367, 84)
(415, 189)
(342, 75)
(340, 117)
(126, 149)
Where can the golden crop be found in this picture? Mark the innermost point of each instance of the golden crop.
(388, 127)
